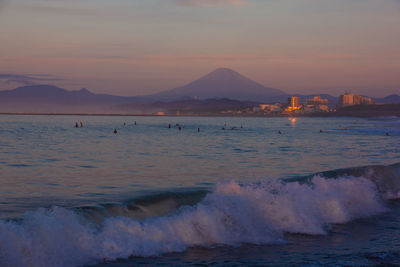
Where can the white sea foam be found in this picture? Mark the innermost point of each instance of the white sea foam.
(232, 214)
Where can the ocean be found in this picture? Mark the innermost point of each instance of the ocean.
(218, 191)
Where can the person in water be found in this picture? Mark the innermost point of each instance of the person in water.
(198, 130)
(169, 125)
(76, 125)
(279, 132)
(115, 131)
(81, 124)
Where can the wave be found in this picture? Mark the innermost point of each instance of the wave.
(386, 178)
(231, 214)
(157, 204)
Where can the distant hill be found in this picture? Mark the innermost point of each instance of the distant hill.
(222, 83)
(365, 111)
(222, 89)
(48, 98)
(390, 99)
(47, 93)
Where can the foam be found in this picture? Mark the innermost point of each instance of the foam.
(258, 213)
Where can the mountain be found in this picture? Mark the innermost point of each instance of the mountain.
(221, 88)
(44, 93)
(390, 99)
(222, 83)
(48, 98)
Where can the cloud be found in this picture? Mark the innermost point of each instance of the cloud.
(27, 79)
(204, 3)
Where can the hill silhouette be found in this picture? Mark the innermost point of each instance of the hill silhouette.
(225, 86)
(222, 83)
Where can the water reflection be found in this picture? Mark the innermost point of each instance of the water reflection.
(293, 121)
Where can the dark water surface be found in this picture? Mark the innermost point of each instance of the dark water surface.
(156, 195)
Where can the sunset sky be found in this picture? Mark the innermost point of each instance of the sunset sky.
(136, 47)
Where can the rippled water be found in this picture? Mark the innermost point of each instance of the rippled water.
(45, 161)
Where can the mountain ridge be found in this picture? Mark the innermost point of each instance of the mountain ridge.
(221, 83)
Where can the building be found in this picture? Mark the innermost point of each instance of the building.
(277, 108)
(293, 104)
(316, 104)
(271, 109)
(293, 107)
(265, 106)
(352, 100)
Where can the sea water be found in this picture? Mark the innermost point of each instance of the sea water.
(221, 191)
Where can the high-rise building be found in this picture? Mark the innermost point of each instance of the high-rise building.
(317, 104)
(294, 102)
(351, 100)
(294, 105)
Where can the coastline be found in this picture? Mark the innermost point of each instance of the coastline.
(361, 111)
(364, 111)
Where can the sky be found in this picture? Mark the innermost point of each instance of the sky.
(139, 47)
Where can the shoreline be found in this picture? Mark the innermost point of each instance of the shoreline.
(361, 111)
(331, 115)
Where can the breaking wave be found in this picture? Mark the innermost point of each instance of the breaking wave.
(231, 214)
